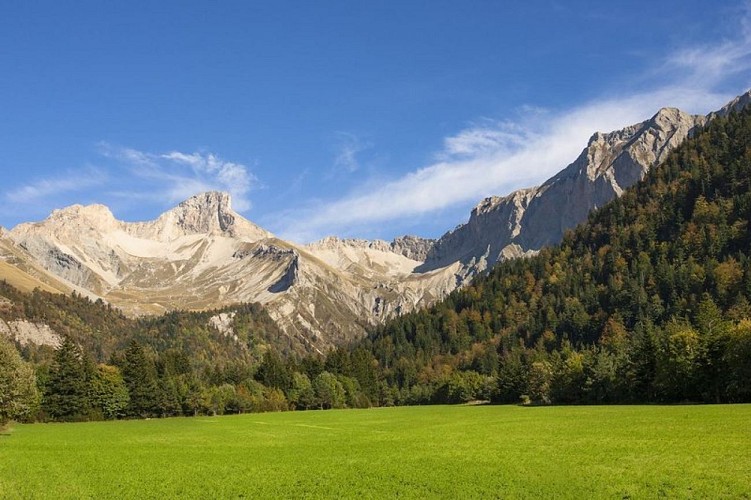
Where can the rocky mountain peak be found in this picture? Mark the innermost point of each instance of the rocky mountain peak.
(525, 220)
(208, 213)
(412, 247)
(672, 120)
(486, 204)
(736, 104)
(667, 114)
(90, 213)
(74, 219)
(520, 197)
(205, 213)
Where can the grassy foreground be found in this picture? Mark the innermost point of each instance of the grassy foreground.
(439, 451)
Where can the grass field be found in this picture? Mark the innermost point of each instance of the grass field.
(439, 451)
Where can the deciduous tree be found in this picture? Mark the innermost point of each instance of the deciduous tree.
(19, 397)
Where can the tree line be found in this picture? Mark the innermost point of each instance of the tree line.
(141, 383)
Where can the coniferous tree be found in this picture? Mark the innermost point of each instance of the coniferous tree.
(139, 374)
(68, 393)
(364, 368)
(738, 359)
(273, 372)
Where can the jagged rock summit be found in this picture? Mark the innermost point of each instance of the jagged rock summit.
(88, 247)
(207, 213)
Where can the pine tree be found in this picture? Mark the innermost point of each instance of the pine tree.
(139, 374)
(273, 372)
(67, 395)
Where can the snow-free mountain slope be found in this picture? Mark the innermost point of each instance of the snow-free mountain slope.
(20, 270)
(202, 255)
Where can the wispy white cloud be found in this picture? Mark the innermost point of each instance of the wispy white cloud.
(489, 137)
(712, 64)
(44, 190)
(348, 147)
(496, 157)
(38, 197)
(126, 179)
(175, 176)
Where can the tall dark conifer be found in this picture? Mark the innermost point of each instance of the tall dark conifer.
(139, 374)
(273, 372)
(67, 395)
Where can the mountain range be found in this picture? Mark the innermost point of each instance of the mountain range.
(203, 255)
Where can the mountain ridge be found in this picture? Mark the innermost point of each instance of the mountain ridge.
(202, 254)
(525, 220)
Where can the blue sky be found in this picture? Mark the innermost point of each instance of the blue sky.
(350, 118)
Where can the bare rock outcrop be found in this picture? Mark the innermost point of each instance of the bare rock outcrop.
(27, 332)
(412, 247)
(207, 213)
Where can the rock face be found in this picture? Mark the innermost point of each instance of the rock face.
(21, 270)
(526, 220)
(412, 247)
(205, 214)
(26, 332)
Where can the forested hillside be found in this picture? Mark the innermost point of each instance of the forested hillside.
(111, 366)
(101, 330)
(108, 366)
(649, 300)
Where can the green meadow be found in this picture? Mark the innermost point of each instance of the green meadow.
(431, 451)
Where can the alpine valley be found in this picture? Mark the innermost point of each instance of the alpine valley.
(375, 250)
(202, 255)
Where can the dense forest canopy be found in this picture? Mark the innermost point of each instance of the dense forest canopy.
(647, 301)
